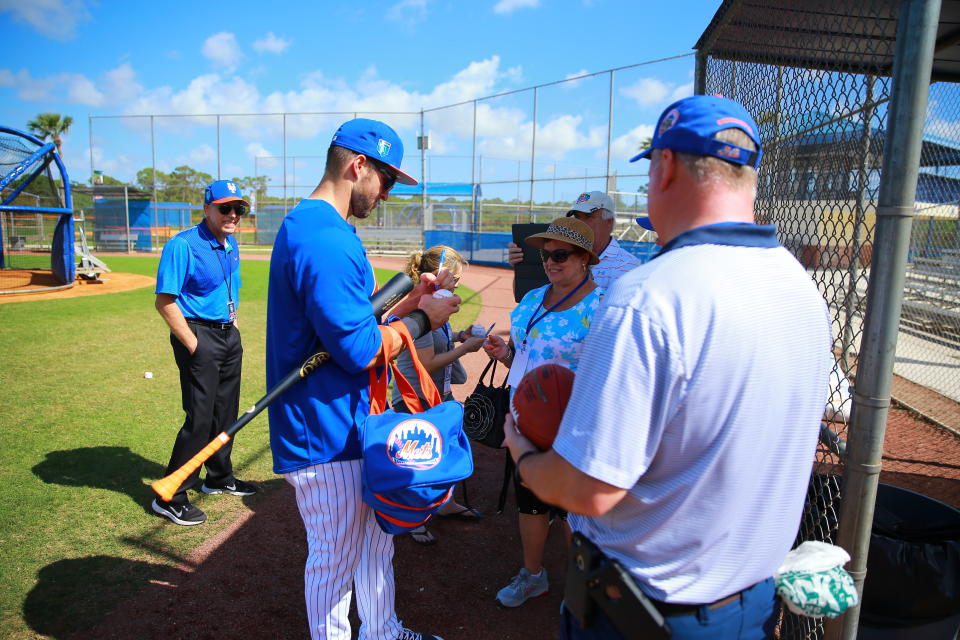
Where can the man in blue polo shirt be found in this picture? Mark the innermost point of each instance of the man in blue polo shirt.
(198, 291)
(320, 288)
(689, 438)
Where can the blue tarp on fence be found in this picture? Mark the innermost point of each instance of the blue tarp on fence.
(491, 248)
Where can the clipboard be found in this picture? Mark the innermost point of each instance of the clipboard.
(527, 274)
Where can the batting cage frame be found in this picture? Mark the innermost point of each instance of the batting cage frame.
(841, 91)
(36, 216)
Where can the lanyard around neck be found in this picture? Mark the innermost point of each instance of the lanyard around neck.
(227, 279)
(534, 319)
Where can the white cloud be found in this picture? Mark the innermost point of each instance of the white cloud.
(409, 11)
(270, 44)
(683, 91)
(117, 86)
(120, 85)
(223, 50)
(573, 84)
(82, 91)
(55, 19)
(199, 155)
(647, 91)
(509, 6)
(265, 159)
(628, 145)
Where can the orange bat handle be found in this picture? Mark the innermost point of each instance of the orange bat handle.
(166, 487)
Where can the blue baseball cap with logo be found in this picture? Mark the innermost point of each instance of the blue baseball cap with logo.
(688, 126)
(223, 191)
(373, 139)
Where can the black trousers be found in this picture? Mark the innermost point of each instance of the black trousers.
(210, 391)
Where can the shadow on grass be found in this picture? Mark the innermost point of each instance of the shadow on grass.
(114, 468)
(72, 594)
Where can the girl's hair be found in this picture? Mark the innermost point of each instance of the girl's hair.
(427, 261)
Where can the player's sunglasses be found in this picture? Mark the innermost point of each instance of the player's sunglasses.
(389, 177)
(559, 256)
(240, 208)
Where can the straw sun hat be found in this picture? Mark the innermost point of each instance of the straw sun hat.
(569, 230)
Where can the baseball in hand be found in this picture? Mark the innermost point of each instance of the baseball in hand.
(478, 330)
(442, 293)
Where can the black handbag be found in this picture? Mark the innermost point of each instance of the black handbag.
(485, 409)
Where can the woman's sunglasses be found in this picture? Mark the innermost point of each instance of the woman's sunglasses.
(559, 256)
(240, 208)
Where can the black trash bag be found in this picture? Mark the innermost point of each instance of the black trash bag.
(913, 568)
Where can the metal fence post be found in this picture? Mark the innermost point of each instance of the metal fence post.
(913, 59)
(153, 165)
(533, 154)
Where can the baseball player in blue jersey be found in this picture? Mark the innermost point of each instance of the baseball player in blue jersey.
(320, 285)
(198, 292)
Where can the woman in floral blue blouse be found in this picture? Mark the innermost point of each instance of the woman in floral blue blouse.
(548, 326)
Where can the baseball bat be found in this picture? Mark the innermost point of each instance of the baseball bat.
(382, 300)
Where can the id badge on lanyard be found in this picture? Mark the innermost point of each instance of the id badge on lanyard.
(231, 310)
(519, 366)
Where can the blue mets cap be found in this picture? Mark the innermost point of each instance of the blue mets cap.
(373, 139)
(644, 221)
(689, 125)
(222, 191)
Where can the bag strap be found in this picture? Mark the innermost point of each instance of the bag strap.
(378, 383)
(427, 386)
(507, 476)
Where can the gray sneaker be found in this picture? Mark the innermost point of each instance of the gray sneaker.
(522, 587)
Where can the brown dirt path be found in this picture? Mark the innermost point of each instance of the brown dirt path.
(246, 583)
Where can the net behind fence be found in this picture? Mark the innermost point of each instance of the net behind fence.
(36, 224)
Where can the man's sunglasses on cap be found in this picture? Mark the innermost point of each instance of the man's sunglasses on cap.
(241, 208)
(559, 256)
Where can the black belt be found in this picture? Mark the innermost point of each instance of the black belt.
(673, 610)
(210, 323)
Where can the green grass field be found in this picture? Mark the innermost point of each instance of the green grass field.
(82, 435)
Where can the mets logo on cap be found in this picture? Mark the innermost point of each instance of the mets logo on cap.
(668, 121)
(582, 198)
(383, 147)
(415, 444)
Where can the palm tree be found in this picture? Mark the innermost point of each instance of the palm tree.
(50, 125)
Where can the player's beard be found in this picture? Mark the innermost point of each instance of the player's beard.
(362, 203)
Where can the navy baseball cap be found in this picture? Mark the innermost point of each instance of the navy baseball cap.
(689, 125)
(223, 191)
(644, 221)
(373, 139)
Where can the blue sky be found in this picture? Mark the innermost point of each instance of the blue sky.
(82, 58)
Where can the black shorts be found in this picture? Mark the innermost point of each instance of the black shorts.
(530, 504)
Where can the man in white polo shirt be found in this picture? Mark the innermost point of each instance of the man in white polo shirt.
(689, 438)
(596, 209)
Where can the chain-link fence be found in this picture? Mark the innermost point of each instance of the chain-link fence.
(819, 80)
(517, 156)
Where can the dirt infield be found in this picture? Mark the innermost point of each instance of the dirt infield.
(15, 280)
(247, 582)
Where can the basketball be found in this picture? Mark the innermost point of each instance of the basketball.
(539, 402)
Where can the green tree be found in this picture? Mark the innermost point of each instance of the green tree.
(145, 178)
(254, 184)
(185, 184)
(52, 126)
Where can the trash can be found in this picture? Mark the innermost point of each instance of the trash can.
(912, 588)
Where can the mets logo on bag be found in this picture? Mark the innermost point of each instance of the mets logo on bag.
(415, 444)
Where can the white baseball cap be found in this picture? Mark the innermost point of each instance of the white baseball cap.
(592, 201)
